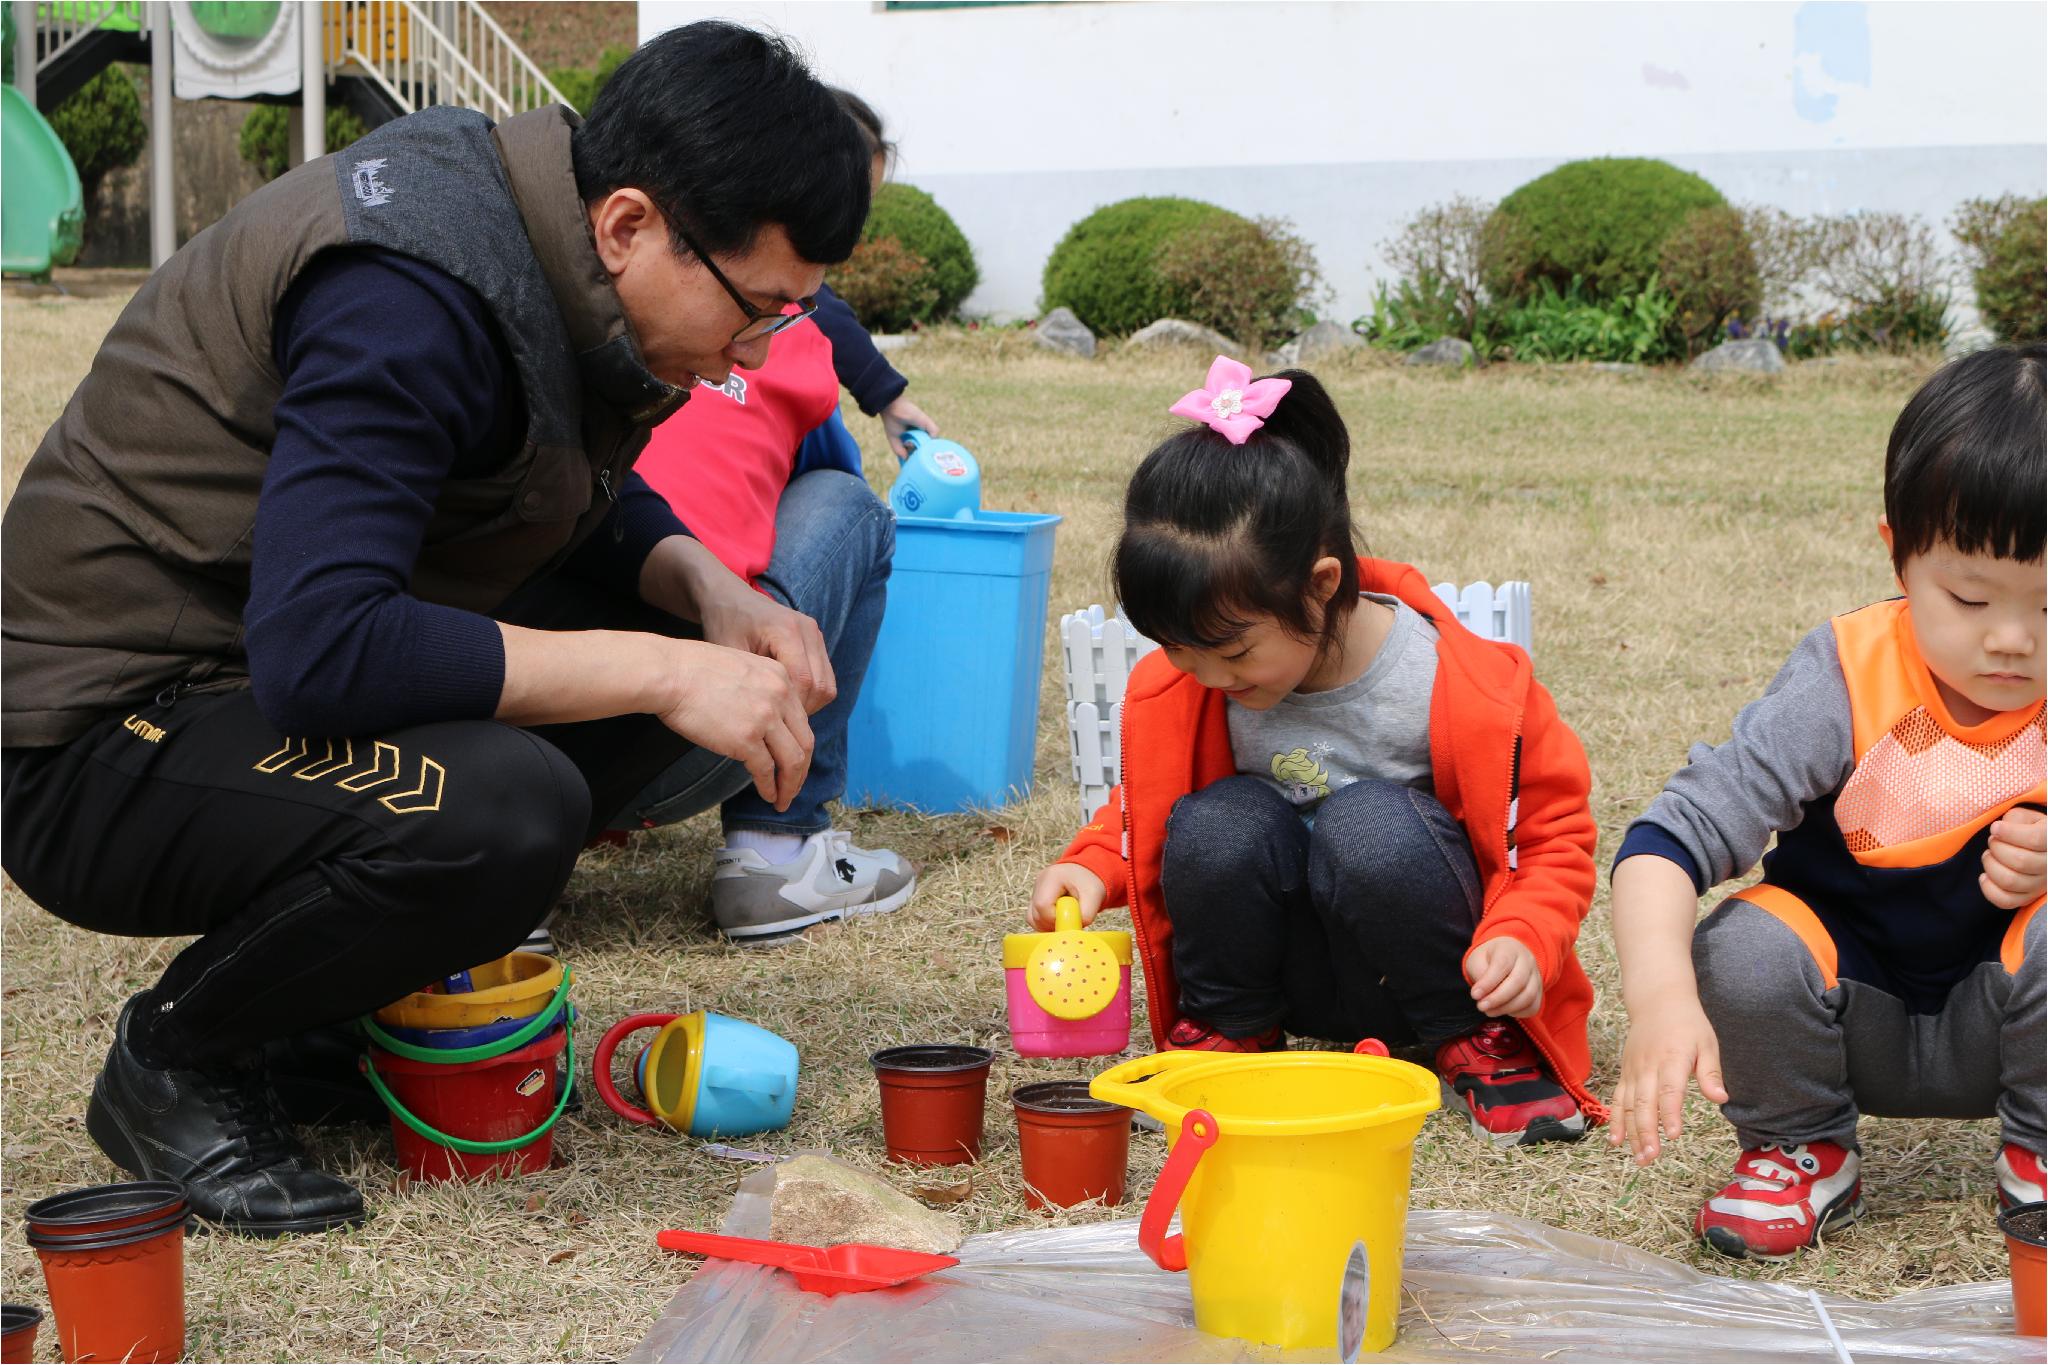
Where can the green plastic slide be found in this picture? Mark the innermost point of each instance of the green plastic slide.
(42, 208)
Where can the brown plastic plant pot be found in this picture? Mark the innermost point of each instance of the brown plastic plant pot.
(932, 1101)
(18, 1323)
(118, 1295)
(1075, 1147)
(2023, 1226)
(104, 1208)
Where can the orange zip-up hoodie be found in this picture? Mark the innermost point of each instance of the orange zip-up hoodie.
(1505, 767)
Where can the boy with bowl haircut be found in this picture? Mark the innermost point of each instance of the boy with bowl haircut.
(1890, 962)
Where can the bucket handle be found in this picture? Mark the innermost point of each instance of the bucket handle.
(769, 1083)
(601, 1065)
(1130, 1083)
(1197, 1135)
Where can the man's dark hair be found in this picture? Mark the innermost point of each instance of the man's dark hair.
(1966, 458)
(1218, 535)
(727, 131)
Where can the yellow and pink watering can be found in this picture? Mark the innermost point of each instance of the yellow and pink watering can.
(1070, 990)
(1290, 1172)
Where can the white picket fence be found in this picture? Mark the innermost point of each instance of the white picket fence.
(1098, 651)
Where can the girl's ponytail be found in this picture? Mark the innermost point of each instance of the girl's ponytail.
(1308, 421)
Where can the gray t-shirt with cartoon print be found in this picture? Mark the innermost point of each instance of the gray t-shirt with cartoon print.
(1311, 743)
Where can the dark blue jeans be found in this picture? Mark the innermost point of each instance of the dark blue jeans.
(834, 542)
(1355, 926)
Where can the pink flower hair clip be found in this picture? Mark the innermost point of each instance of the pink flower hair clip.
(1231, 401)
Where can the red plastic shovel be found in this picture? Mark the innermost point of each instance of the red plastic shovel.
(849, 1268)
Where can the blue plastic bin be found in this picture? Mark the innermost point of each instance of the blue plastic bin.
(948, 715)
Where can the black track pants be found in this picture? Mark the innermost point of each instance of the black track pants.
(326, 876)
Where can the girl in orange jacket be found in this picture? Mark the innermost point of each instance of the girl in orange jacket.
(1342, 814)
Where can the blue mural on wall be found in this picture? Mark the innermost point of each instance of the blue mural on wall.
(1830, 38)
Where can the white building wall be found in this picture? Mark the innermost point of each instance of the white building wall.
(1348, 117)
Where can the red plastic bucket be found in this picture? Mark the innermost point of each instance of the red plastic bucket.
(487, 1101)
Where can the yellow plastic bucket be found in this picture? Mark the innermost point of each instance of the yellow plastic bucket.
(1290, 1171)
(515, 986)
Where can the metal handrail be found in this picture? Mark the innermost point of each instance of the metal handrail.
(467, 58)
(63, 25)
(432, 67)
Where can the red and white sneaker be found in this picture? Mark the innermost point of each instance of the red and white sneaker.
(1187, 1035)
(1499, 1079)
(1783, 1200)
(2019, 1176)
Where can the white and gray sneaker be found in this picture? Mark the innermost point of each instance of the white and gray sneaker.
(755, 901)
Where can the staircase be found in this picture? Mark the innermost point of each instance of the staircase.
(384, 58)
(73, 42)
(395, 56)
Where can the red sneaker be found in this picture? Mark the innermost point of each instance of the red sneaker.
(1188, 1036)
(2019, 1176)
(1783, 1200)
(1497, 1077)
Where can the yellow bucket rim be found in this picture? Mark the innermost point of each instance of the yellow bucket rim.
(1017, 948)
(430, 1009)
(689, 1028)
(1142, 1083)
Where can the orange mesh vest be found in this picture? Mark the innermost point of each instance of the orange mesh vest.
(1889, 862)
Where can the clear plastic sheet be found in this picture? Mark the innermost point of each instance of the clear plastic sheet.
(1478, 1287)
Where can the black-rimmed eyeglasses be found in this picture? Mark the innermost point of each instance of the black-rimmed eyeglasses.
(758, 324)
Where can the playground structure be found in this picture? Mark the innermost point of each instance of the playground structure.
(382, 58)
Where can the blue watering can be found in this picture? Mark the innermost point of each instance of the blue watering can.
(939, 479)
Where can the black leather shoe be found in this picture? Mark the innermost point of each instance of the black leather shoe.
(318, 1079)
(223, 1134)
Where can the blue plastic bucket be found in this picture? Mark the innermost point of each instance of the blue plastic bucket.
(947, 718)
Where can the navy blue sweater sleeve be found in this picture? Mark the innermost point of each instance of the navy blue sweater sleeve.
(394, 377)
(862, 369)
(1644, 837)
(613, 555)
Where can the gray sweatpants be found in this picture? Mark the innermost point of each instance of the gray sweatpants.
(1802, 1059)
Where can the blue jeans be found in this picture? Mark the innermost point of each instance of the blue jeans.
(1355, 927)
(834, 541)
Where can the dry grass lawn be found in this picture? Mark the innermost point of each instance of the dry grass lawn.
(1681, 535)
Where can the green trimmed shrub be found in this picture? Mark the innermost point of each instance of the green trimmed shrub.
(101, 125)
(1251, 281)
(2007, 240)
(907, 215)
(1601, 222)
(889, 287)
(1106, 267)
(1710, 269)
(266, 138)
